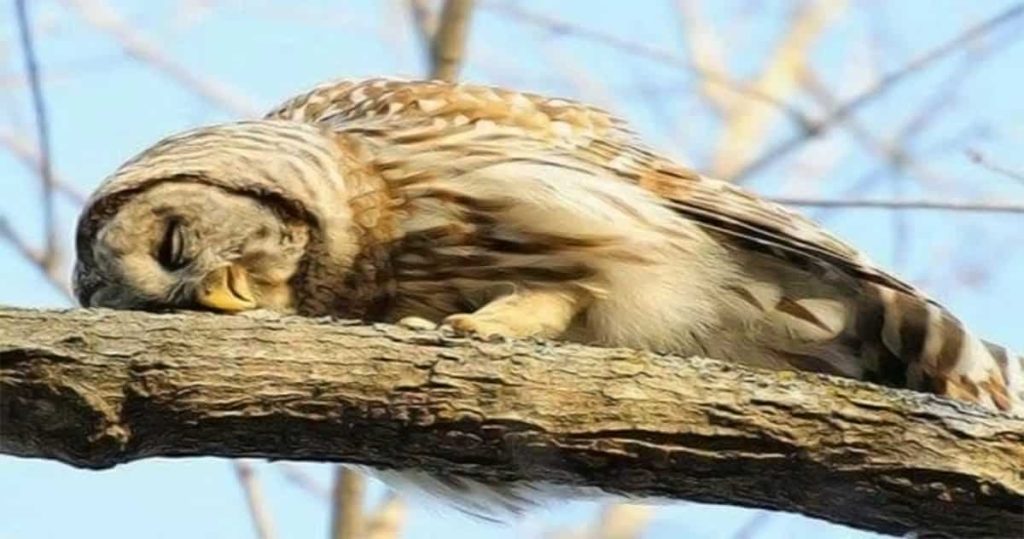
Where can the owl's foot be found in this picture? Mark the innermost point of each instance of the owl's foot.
(540, 313)
(471, 324)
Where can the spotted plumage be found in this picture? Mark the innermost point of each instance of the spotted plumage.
(501, 212)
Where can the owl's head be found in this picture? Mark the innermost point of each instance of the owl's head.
(224, 218)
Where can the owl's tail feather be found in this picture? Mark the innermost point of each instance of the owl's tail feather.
(943, 357)
(494, 502)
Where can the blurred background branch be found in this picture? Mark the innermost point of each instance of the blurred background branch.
(141, 47)
(448, 44)
(347, 503)
(957, 44)
(261, 520)
(48, 258)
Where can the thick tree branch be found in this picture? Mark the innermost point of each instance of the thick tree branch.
(99, 388)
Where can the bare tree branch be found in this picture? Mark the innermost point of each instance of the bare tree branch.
(448, 45)
(622, 521)
(36, 257)
(303, 480)
(98, 388)
(561, 27)
(387, 519)
(32, 158)
(50, 254)
(262, 523)
(880, 203)
(894, 153)
(748, 123)
(878, 89)
(138, 45)
(706, 53)
(979, 158)
(347, 502)
(425, 21)
(752, 526)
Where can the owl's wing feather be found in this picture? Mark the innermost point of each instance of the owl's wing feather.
(589, 133)
(892, 318)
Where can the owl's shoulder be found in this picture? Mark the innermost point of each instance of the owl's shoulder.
(406, 102)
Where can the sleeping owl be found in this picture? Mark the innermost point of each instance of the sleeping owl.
(495, 212)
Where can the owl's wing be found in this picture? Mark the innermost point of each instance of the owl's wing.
(591, 134)
(900, 336)
(893, 318)
(400, 103)
(738, 214)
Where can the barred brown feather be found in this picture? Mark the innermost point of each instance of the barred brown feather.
(860, 320)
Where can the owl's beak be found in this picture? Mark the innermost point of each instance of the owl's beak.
(226, 289)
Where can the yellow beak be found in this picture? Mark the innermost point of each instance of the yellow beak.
(226, 289)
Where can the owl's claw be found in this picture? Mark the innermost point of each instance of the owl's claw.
(469, 324)
(521, 315)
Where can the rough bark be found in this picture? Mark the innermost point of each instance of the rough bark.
(96, 388)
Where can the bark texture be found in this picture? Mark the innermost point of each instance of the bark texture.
(96, 388)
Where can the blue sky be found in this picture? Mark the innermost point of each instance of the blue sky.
(104, 107)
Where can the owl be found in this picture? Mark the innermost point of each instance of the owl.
(495, 212)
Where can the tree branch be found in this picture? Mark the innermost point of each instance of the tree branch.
(347, 502)
(263, 524)
(448, 45)
(881, 87)
(747, 124)
(50, 253)
(28, 154)
(143, 48)
(99, 388)
(980, 206)
(641, 49)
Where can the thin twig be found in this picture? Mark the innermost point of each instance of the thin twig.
(298, 477)
(261, 520)
(622, 521)
(448, 46)
(878, 203)
(347, 512)
(878, 89)
(36, 258)
(387, 519)
(929, 110)
(27, 251)
(750, 528)
(50, 252)
(979, 158)
(706, 53)
(895, 153)
(425, 21)
(30, 155)
(747, 124)
(562, 27)
(140, 46)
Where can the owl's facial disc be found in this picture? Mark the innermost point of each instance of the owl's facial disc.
(189, 245)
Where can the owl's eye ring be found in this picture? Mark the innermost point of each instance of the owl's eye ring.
(171, 253)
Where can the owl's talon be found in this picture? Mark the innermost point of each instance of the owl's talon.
(468, 324)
